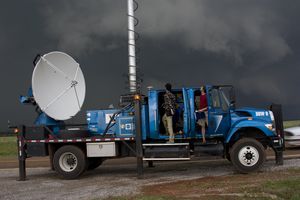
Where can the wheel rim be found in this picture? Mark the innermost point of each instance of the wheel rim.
(68, 161)
(248, 156)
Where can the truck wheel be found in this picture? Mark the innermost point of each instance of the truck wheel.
(69, 161)
(93, 163)
(247, 155)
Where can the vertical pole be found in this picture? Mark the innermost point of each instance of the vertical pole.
(138, 136)
(21, 154)
(131, 47)
(277, 111)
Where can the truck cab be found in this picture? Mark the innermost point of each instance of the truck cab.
(223, 117)
(243, 134)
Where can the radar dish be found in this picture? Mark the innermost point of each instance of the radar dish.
(58, 85)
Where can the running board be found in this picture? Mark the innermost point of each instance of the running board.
(165, 159)
(214, 149)
(167, 151)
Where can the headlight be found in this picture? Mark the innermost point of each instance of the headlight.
(271, 115)
(273, 119)
(270, 127)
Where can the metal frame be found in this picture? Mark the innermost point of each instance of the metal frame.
(277, 111)
(138, 137)
(21, 153)
(22, 141)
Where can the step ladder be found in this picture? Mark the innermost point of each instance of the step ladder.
(166, 151)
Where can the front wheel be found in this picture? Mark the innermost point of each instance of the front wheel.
(69, 161)
(247, 155)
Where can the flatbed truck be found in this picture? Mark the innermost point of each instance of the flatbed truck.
(136, 130)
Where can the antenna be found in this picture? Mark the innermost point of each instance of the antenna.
(58, 85)
(132, 22)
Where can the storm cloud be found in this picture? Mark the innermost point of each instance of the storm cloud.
(232, 28)
(253, 45)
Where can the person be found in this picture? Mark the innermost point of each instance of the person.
(169, 107)
(203, 119)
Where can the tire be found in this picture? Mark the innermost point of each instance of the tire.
(69, 161)
(247, 155)
(93, 163)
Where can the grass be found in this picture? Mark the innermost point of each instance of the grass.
(292, 123)
(8, 146)
(285, 189)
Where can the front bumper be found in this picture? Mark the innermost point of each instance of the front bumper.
(277, 143)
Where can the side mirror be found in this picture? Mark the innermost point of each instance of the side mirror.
(232, 98)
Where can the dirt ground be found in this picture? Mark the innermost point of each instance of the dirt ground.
(116, 178)
(282, 184)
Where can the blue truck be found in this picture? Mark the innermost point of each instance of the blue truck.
(135, 129)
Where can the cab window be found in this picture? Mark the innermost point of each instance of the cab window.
(215, 100)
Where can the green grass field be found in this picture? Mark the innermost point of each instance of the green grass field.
(292, 123)
(8, 146)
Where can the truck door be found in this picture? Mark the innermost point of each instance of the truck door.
(218, 112)
(191, 95)
(186, 114)
(154, 118)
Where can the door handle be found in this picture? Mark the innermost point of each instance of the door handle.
(155, 119)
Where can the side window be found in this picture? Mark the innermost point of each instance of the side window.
(215, 100)
(225, 101)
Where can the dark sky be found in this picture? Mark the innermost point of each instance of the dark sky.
(253, 45)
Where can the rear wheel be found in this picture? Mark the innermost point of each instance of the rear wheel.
(247, 155)
(69, 161)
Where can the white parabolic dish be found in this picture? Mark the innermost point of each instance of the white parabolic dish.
(58, 85)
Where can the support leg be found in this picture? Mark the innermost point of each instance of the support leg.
(138, 138)
(21, 154)
(22, 170)
(279, 157)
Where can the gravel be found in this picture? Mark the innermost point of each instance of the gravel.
(112, 180)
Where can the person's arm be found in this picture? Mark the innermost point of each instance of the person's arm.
(203, 109)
